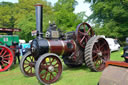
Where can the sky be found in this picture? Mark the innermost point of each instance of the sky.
(81, 7)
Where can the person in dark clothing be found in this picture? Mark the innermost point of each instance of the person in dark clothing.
(125, 54)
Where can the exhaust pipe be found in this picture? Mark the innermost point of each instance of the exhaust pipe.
(39, 18)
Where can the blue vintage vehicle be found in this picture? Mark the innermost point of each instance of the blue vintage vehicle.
(24, 48)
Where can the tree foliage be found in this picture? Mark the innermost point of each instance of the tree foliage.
(64, 16)
(22, 15)
(112, 17)
(6, 16)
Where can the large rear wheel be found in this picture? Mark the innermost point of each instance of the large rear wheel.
(97, 52)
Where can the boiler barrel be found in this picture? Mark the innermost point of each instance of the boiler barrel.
(60, 47)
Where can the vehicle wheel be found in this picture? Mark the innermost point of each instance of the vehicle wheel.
(118, 48)
(48, 68)
(83, 33)
(6, 58)
(27, 65)
(97, 52)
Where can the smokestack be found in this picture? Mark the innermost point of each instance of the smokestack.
(39, 19)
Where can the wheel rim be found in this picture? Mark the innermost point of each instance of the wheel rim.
(50, 69)
(83, 33)
(100, 54)
(6, 58)
(29, 65)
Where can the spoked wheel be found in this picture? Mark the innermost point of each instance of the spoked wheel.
(83, 33)
(48, 68)
(6, 58)
(97, 52)
(27, 65)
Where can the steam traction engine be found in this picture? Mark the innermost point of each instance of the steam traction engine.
(77, 47)
(8, 48)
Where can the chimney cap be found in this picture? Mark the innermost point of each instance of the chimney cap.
(38, 4)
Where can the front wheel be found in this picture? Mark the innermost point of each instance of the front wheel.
(48, 68)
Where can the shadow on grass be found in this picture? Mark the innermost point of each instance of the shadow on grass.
(14, 66)
(83, 67)
(65, 68)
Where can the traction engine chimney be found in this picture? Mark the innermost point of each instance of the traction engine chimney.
(39, 19)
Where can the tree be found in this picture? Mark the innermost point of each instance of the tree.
(124, 3)
(22, 15)
(26, 19)
(112, 17)
(6, 14)
(64, 16)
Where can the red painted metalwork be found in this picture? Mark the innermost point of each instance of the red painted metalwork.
(10, 29)
(61, 47)
(13, 48)
(83, 33)
(38, 5)
(6, 58)
(50, 69)
(71, 49)
(116, 63)
(100, 54)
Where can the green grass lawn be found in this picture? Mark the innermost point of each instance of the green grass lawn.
(70, 76)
